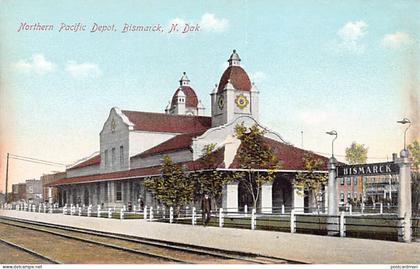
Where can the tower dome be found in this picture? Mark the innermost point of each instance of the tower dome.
(191, 99)
(235, 74)
(185, 101)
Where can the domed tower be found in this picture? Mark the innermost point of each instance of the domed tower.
(235, 95)
(185, 101)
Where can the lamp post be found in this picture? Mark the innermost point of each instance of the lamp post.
(333, 132)
(332, 185)
(405, 121)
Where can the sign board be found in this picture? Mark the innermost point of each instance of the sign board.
(371, 169)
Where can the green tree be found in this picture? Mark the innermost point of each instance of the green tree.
(208, 179)
(173, 187)
(254, 154)
(414, 149)
(356, 153)
(310, 180)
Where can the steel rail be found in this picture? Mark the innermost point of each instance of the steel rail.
(98, 243)
(237, 255)
(34, 253)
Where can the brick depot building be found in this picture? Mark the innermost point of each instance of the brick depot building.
(133, 143)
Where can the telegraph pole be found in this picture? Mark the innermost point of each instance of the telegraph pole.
(7, 175)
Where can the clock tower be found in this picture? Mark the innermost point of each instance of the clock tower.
(235, 95)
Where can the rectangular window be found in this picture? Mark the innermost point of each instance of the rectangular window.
(106, 158)
(113, 156)
(355, 181)
(342, 181)
(348, 197)
(118, 191)
(121, 156)
(349, 181)
(342, 197)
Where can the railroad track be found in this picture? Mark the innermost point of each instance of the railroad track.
(30, 252)
(155, 249)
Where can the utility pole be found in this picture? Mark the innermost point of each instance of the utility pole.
(7, 175)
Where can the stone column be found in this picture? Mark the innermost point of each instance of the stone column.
(332, 197)
(267, 197)
(230, 197)
(298, 201)
(404, 198)
(332, 188)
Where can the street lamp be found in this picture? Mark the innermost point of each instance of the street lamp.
(405, 121)
(333, 132)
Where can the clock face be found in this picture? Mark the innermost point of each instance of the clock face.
(241, 101)
(221, 102)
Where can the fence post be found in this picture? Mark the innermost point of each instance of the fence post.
(71, 209)
(99, 211)
(65, 209)
(381, 208)
(151, 214)
(292, 221)
(342, 225)
(171, 214)
(283, 211)
(80, 211)
(89, 210)
(193, 216)
(253, 219)
(220, 217)
(363, 207)
(350, 209)
(122, 213)
(51, 209)
(374, 205)
(246, 210)
(164, 212)
(145, 212)
(109, 213)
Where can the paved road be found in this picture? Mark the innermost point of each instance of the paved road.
(300, 247)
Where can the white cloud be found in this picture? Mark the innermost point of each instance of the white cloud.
(209, 22)
(396, 40)
(258, 76)
(179, 21)
(349, 37)
(83, 70)
(37, 63)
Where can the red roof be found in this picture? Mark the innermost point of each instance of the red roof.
(290, 156)
(238, 77)
(91, 161)
(178, 142)
(160, 122)
(139, 172)
(191, 99)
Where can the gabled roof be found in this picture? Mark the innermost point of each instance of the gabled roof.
(178, 142)
(96, 159)
(160, 122)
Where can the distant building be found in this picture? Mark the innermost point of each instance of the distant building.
(51, 194)
(19, 192)
(350, 189)
(34, 191)
(383, 188)
(2, 198)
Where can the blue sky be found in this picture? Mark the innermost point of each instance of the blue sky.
(319, 65)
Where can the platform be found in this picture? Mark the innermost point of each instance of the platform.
(297, 247)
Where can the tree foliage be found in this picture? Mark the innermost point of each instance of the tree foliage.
(414, 149)
(208, 179)
(310, 180)
(254, 154)
(173, 187)
(356, 153)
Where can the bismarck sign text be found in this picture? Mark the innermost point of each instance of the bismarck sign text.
(370, 169)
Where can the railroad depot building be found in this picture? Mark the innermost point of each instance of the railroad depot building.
(133, 143)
